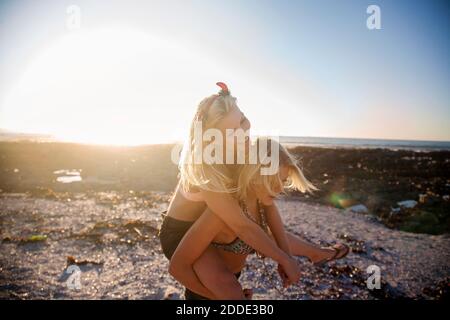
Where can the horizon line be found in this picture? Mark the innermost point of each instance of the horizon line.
(50, 136)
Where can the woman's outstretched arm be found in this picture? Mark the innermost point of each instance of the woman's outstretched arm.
(227, 209)
(277, 227)
(279, 234)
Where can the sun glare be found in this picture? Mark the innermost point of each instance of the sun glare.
(108, 86)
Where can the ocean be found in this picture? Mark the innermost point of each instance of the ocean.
(416, 145)
(324, 142)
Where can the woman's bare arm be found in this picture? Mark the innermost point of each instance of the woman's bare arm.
(276, 226)
(279, 233)
(191, 247)
(227, 209)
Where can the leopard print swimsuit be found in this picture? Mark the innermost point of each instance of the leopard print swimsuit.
(238, 246)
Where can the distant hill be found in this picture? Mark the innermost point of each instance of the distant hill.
(7, 135)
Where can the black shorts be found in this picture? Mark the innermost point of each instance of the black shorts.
(170, 234)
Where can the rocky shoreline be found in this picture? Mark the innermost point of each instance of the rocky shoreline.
(112, 239)
(98, 208)
(372, 181)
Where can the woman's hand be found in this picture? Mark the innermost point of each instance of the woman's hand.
(292, 269)
(283, 276)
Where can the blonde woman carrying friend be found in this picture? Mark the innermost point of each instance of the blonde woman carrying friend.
(205, 186)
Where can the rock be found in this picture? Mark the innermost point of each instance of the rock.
(422, 197)
(407, 203)
(359, 208)
(171, 293)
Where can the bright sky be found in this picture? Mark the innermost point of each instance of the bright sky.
(135, 70)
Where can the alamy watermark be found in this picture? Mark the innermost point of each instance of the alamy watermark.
(73, 21)
(73, 282)
(211, 147)
(373, 22)
(374, 280)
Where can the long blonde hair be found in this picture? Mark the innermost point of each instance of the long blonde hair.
(250, 174)
(211, 177)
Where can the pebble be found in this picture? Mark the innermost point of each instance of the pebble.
(359, 208)
(407, 203)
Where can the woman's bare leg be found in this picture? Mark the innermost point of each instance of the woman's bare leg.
(214, 275)
(300, 247)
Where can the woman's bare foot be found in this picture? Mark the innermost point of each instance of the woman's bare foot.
(326, 254)
(322, 253)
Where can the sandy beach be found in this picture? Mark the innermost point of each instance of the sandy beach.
(113, 239)
(106, 220)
